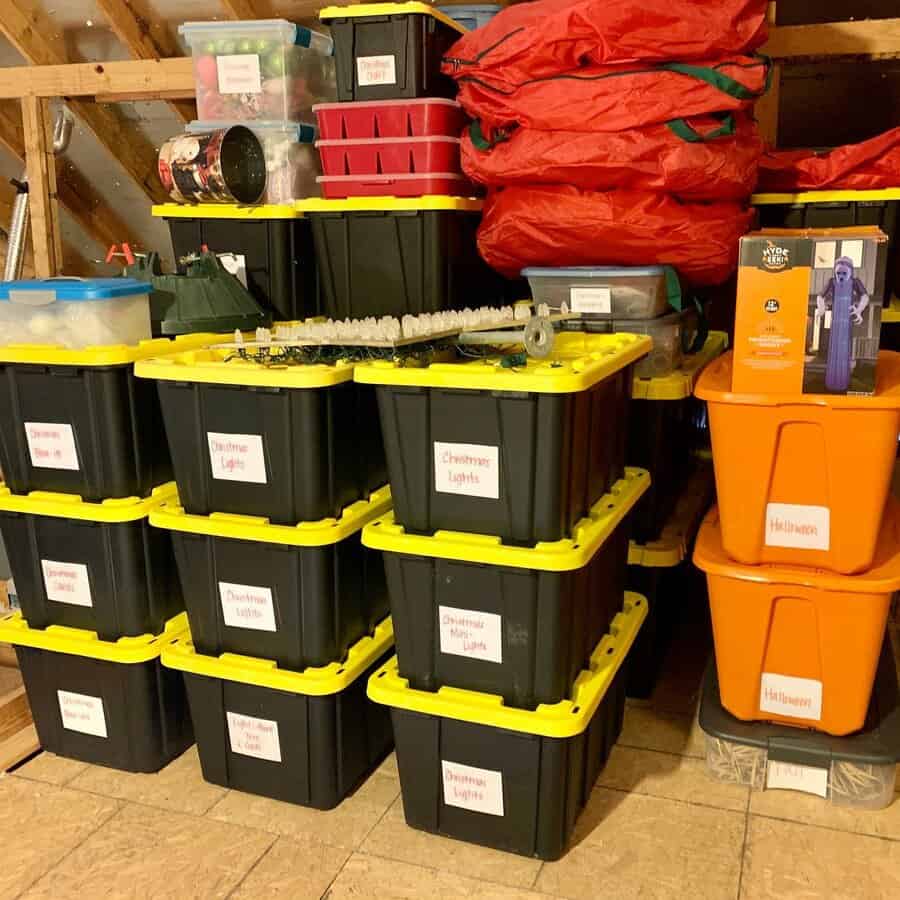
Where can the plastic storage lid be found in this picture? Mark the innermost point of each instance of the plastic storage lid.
(596, 272)
(299, 132)
(588, 536)
(365, 104)
(671, 547)
(565, 719)
(381, 142)
(105, 355)
(876, 744)
(43, 291)
(364, 10)
(256, 528)
(312, 682)
(429, 202)
(679, 385)
(78, 642)
(281, 28)
(826, 197)
(225, 211)
(220, 366)
(71, 506)
(577, 362)
(882, 578)
(714, 386)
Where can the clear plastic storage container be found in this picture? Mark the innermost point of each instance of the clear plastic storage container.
(292, 162)
(606, 291)
(265, 70)
(74, 312)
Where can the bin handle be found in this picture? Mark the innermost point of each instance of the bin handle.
(690, 347)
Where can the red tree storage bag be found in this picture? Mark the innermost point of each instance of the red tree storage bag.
(872, 165)
(535, 39)
(560, 225)
(706, 158)
(615, 98)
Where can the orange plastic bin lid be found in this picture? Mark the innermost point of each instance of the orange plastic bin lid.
(882, 578)
(714, 386)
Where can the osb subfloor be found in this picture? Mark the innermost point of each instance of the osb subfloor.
(655, 827)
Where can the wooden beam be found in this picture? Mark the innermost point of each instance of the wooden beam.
(241, 9)
(41, 165)
(132, 79)
(870, 37)
(768, 106)
(134, 33)
(26, 26)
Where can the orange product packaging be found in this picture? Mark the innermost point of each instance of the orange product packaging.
(802, 479)
(808, 315)
(799, 646)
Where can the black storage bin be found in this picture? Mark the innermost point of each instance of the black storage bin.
(97, 566)
(517, 622)
(518, 452)
(858, 770)
(389, 257)
(478, 771)
(291, 444)
(303, 737)
(110, 704)
(297, 595)
(662, 436)
(838, 209)
(661, 571)
(391, 51)
(274, 246)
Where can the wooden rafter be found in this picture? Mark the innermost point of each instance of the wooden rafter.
(45, 229)
(240, 9)
(134, 33)
(875, 38)
(33, 34)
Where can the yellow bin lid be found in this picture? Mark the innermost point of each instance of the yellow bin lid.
(671, 547)
(172, 517)
(312, 682)
(679, 385)
(71, 506)
(363, 10)
(78, 642)
(439, 202)
(225, 211)
(565, 719)
(576, 363)
(221, 366)
(105, 355)
(588, 536)
(885, 194)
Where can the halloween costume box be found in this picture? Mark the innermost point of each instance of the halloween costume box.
(808, 315)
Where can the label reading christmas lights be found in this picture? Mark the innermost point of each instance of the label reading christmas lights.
(479, 790)
(237, 457)
(472, 470)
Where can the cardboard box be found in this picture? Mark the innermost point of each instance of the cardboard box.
(808, 315)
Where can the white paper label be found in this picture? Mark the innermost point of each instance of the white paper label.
(798, 526)
(247, 606)
(789, 777)
(237, 457)
(239, 74)
(376, 70)
(67, 582)
(480, 790)
(51, 445)
(469, 469)
(250, 736)
(590, 300)
(785, 695)
(235, 264)
(81, 712)
(465, 632)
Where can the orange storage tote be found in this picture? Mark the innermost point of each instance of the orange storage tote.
(802, 479)
(799, 646)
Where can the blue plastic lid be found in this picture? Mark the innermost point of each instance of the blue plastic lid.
(48, 290)
(289, 32)
(595, 272)
(301, 132)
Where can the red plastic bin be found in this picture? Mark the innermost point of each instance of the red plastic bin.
(425, 117)
(389, 156)
(417, 184)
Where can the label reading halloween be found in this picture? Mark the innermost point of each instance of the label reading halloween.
(239, 74)
(51, 445)
(590, 300)
(247, 606)
(81, 712)
(480, 790)
(67, 582)
(784, 695)
(472, 470)
(237, 457)
(371, 70)
(465, 632)
(250, 736)
(798, 526)
(790, 777)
